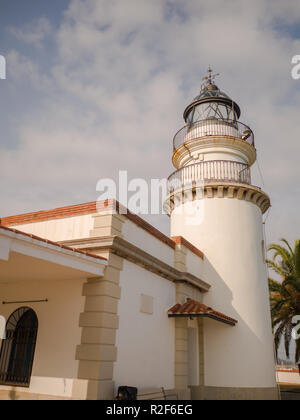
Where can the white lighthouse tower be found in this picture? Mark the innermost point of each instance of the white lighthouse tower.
(213, 155)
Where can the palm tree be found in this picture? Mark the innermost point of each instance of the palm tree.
(285, 295)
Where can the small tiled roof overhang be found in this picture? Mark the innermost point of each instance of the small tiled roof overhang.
(192, 308)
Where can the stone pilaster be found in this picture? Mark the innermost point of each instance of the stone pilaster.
(201, 352)
(181, 325)
(107, 224)
(99, 321)
(180, 258)
(184, 291)
(181, 353)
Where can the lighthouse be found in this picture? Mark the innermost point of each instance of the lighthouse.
(212, 203)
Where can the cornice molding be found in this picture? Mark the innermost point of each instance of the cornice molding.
(130, 252)
(221, 190)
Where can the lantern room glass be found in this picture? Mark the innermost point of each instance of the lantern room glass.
(211, 110)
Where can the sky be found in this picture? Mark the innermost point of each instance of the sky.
(98, 86)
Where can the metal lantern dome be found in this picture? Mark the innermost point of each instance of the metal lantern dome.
(211, 103)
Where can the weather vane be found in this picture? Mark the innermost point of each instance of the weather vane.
(210, 78)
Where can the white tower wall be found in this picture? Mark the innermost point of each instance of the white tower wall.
(231, 237)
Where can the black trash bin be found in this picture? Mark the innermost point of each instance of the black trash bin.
(127, 393)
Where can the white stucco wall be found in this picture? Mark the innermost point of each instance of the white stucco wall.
(54, 365)
(211, 149)
(222, 154)
(230, 236)
(64, 229)
(145, 342)
(195, 264)
(147, 242)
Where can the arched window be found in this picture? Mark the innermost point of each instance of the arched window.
(17, 350)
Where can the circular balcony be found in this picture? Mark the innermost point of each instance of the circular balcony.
(209, 172)
(213, 127)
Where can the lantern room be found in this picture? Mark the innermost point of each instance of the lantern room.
(211, 103)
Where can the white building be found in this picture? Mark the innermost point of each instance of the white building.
(96, 299)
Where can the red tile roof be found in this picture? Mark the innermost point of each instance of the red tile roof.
(193, 308)
(37, 238)
(86, 208)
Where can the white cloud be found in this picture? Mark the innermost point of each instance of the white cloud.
(121, 76)
(35, 33)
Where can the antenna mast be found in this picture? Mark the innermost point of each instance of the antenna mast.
(209, 79)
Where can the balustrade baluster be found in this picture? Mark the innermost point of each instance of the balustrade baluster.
(210, 171)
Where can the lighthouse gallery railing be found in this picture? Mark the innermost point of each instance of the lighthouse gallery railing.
(210, 171)
(213, 127)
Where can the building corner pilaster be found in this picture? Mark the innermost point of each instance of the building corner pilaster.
(99, 321)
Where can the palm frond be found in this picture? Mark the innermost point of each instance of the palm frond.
(297, 258)
(277, 268)
(274, 285)
(280, 251)
(292, 282)
(288, 245)
(285, 295)
(286, 258)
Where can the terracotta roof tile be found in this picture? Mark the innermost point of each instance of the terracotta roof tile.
(193, 308)
(86, 208)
